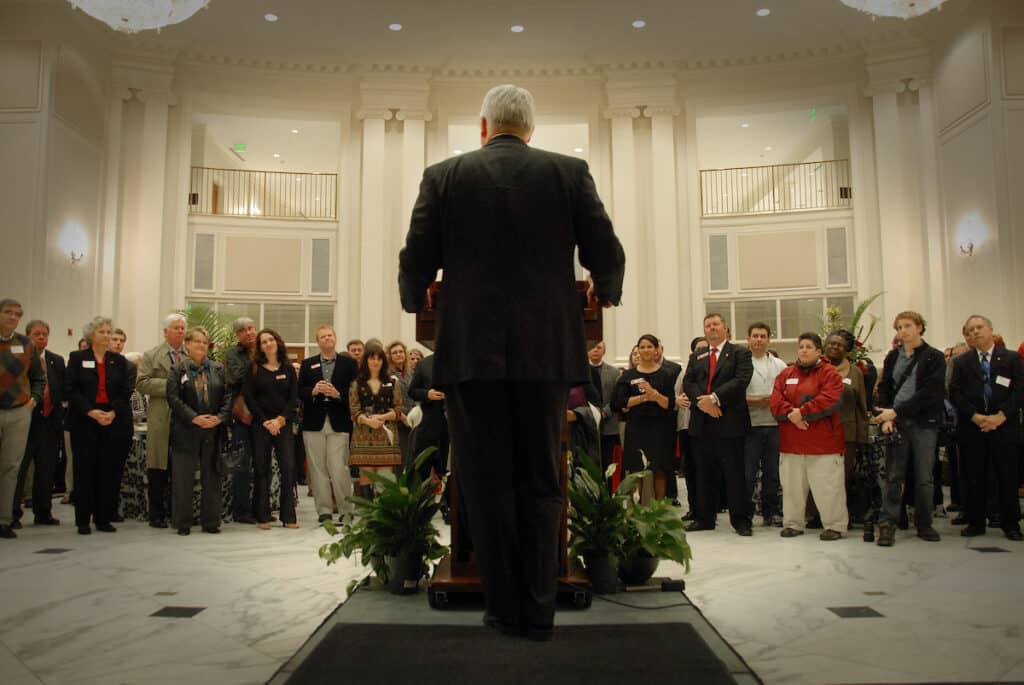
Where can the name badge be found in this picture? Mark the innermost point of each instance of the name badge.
(1003, 381)
(315, 366)
(88, 364)
(281, 377)
(847, 381)
(636, 381)
(792, 381)
(17, 349)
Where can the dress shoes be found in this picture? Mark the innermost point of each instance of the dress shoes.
(688, 516)
(790, 532)
(696, 526)
(1014, 535)
(828, 535)
(960, 520)
(745, 532)
(158, 524)
(323, 517)
(7, 532)
(676, 503)
(886, 534)
(184, 531)
(248, 518)
(503, 627)
(928, 533)
(84, 530)
(211, 530)
(970, 531)
(47, 522)
(105, 528)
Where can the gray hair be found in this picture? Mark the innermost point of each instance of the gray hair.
(988, 321)
(36, 323)
(95, 323)
(508, 108)
(241, 323)
(171, 318)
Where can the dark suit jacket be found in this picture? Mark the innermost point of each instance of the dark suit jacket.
(55, 375)
(184, 402)
(732, 375)
(504, 222)
(434, 423)
(925, 405)
(83, 382)
(966, 391)
(316, 409)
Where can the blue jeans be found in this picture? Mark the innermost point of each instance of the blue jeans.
(241, 480)
(916, 448)
(761, 451)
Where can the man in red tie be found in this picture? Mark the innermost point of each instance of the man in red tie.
(45, 433)
(716, 382)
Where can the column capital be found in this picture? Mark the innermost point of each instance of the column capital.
(156, 97)
(621, 112)
(897, 66)
(140, 72)
(394, 91)
(375, 113)
(414, 115)
(660, 110)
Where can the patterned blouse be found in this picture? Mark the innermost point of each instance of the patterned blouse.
(374, 446)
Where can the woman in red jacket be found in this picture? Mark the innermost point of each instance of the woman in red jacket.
(805, 402)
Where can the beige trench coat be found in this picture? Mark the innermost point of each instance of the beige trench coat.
(153, 373)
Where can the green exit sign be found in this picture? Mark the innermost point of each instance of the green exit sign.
(238, 147)
(814, 113)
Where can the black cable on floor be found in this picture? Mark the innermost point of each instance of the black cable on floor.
(624, 604)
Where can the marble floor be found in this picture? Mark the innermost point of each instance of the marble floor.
(79, 609)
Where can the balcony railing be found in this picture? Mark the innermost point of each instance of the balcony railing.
(776, 189)
(268, 194)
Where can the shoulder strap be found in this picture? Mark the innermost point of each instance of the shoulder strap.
(906, 374)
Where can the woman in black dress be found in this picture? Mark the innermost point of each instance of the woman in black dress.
(645, 394)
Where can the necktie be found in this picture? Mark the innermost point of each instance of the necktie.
(175, 356)
(711, 368)
(986, 377)
(47, 400)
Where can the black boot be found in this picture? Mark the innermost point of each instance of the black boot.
(157, 496)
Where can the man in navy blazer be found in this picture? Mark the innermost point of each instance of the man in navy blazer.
(504, 222)
(324, 380)
(987, 390)
(45, 433)
(716, 382)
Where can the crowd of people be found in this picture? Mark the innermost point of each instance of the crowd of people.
(749, 434)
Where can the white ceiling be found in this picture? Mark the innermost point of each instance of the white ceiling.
(314, 148)
(454, 32)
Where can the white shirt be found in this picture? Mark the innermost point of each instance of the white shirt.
(989, 352)
(762, 382)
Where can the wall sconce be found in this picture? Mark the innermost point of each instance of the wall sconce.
(967, 249)
(75, 257)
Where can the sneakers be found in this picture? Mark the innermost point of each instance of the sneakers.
(790, 532)
(886, 534)
(828, 535)
(928, 533)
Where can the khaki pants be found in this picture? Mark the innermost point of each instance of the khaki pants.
(14, 425)
(824, 476)
(327, 458)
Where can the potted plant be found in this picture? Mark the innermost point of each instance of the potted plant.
(654, 532)
(394, 532)
(597, 522)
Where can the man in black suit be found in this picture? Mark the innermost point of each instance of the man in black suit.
(987, 390)
(324, 380)
(504, 222)
(433, 427)
(45, 434)
(716, 382)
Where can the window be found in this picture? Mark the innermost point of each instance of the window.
(718, 262)
(763, 311)
(800, 316)
(202, 277)
(838, 270)
(295, 321)
(788, 317)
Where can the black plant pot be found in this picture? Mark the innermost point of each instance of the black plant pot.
(603, 572)
(638, 570)
(404, 572)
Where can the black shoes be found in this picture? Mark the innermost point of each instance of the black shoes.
(828, 535)
(1014, 535)
(696, 526)
(184, 531)
(47, 522)
(790, 532)
(7, 532)
(248, 518)
(105, 528)
(84, 530)
(323, 517)
(928, 533)
(970, 531)
(745, 532)
(211, 531)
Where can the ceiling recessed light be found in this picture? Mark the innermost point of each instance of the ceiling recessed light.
(744, 125)
(639, 24)
(577, 149)
(517, 28)
(269, 16)
(276, 155)
(395, 27)
(768, 148)
(295, 130)
(763, 12)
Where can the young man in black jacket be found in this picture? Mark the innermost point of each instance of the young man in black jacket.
(910, 398)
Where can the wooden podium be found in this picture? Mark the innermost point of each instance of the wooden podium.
(457, 573)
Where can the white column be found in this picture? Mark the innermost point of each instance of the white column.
(139, 292)
(624, 215)
(413, 158)
(372, 244)
(179, 211)
(665, 225)
(107, 259)
(929, 165)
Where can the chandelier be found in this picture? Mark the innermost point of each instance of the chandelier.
(131, 16)
(904, 9)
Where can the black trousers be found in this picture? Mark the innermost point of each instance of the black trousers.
(438, 460)
(97, 451)
(717, 456)
(198, 451)
(41, 452)
(978, 452)
(505, 437)
(283, 447)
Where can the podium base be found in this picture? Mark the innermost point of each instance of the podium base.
(573, 588)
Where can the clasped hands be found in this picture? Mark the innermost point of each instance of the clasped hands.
(326, 388)
(104, 418)
(206, 421)
(275, 424)
(707, 404)
(886, 417)
(797, 419)
(989, 422)
(374, 421)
